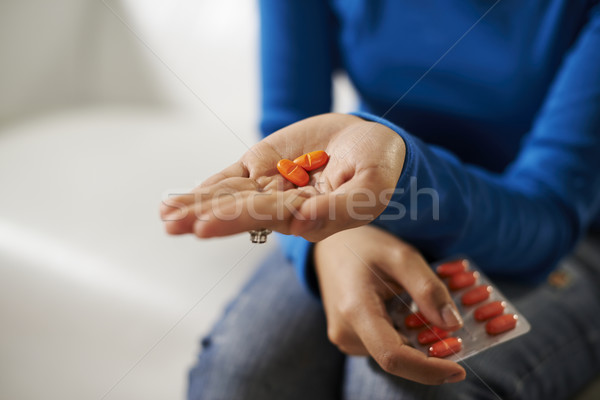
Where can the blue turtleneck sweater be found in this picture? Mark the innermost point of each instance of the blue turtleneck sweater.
(498, 103)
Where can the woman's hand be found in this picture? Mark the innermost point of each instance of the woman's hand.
(366, 160)
(358, 271)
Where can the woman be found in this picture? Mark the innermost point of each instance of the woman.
(479, 133)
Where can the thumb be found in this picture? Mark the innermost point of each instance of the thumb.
(408, 267)
(325, 214)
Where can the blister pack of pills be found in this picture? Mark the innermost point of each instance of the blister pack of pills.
(489, 318)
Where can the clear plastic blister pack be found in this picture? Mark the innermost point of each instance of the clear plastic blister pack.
(489, 318)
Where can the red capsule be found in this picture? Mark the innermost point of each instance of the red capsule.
(415, 320)
(431, 335)
(445, 347)
(501, 324)
(462, 280)
(453, 267)
(292, 172)
(489, 310)
(312, 160)
(476, 295)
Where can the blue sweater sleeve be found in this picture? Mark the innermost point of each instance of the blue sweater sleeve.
(297, 62)
(520, 222)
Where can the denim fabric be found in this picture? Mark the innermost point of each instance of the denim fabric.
(272, 344)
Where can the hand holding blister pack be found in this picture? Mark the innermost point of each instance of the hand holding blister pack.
(489, 318)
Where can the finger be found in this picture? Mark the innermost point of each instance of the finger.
(409, 268)
(273, 210)
(224, 183)
(184, 210)
(237, 204)
(235, 170)
(175, 207)
(183, 221)
(175, 202)
(373, 326)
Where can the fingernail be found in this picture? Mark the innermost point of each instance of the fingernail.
(450, 316)
(454, 378)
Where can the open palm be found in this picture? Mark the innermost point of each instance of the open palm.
(365, 163)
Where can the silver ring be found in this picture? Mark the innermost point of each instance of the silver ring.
(259, 235)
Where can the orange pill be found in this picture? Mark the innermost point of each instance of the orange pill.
(292, 172)
(489, 310)
(312, 160)
(462, 280)
(415, 320)
(501, 324)
(431, 335)
(453, 267)
(476, 295)
(445, 347)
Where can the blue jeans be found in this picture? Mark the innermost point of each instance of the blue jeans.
(272, 344)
